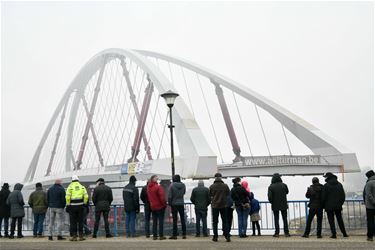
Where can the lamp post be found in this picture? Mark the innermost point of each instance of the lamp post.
(169, 98)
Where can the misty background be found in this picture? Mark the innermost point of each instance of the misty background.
(314, 59)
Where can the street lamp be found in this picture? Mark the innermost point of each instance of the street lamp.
(169, 98)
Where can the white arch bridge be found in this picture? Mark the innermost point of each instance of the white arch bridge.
(111, 122)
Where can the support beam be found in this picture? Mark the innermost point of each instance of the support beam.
(53, 153)
(89, 118)
(228, 122)
(93, 132)
(135, 106)
(142, 120)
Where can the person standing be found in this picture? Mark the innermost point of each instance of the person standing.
(76, 199)
(370, 204)
(4, 209)
(102, 199)
(219, 192)
(147, 209)
(314, 193)
(277, 193)
(38, 203)
(15, 202)
(156, 197)
(241, 201)
(333, 197)
(86, 211)
(130, 196)
(176, 194)
(229, 209)
(56, 203)
(254, 214)
(200, 197)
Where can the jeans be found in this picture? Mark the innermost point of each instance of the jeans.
(76, 220)
(181, 211)
(215, 221)
(319, 216)
(158, 217)
(13, 226)
(201, 215)
(331, 219)
(243, 215)
(130, 223)
(38, 223)
(147, 219)
(56, 214)
(285, 221)
(6, 224)
(370, 214)
(97, 221)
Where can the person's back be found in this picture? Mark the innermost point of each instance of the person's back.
(102, 197)
(369, 199)
(200, 197)
(218, 193)
(176, 194)
(156, 196)
(56, 196)
(15, 202)
(333, 194)
(130, 197)
(4, 208)
(38, 201)
(370, 193)
(277, 194)
(314, 193)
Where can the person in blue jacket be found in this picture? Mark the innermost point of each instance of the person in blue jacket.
(254, 214)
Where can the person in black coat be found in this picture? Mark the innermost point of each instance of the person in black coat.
(147, 209)
(130, 196)
(314, 193)
(333, 197)
(4, 209)
(277, 193)
(102, 199)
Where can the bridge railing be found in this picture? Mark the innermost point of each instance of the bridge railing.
(354, 214)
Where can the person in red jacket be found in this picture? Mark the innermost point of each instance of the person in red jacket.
(158, 203)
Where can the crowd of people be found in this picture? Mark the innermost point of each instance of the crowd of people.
(329, 197)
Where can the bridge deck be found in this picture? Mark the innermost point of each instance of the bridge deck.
(263, 242)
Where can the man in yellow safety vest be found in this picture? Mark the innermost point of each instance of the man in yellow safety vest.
(76, 199)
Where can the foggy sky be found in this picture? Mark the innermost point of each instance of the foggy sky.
(315, 59)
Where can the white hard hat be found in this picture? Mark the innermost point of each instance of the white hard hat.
(75, 178)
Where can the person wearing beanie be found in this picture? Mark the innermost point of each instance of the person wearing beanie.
(130, 196)
(176, 194)
(201, 199)
(102, 199)
(4, 209)
(333, 198)
(156, 197)
(76, 200)
(314, 193)
(277, 196)
(219, 192)
(369, 199)
(38, 203)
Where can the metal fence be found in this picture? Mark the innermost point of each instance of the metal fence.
(354, 214)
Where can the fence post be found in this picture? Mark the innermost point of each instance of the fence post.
(306, 212)
(115, 219)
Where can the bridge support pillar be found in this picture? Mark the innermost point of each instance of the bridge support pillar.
(228, 122)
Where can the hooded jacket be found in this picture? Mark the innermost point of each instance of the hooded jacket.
(176, 194)
(370, 193)
(314, 193)
(15, 202)
(277, 193)
(102, 197)
(4, 208)
(38, 201)
(200, 197)
(156, 196)
(130, 196)
(239, 195)
(333, 194)
(219, 191)
(56, 196)
(254, 205)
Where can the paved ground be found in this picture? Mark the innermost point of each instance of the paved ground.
(264, 242)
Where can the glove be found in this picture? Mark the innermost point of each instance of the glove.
(67, 209)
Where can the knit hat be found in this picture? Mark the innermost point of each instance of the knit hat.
(132, 179)
(315, 180)
(370, 173)
(218, 175)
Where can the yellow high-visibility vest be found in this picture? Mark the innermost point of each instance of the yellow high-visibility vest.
(76, 194)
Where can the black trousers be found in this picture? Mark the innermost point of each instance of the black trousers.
(158, 217)
(97, 221)
(13, 226)
(215, 220)
(181, 211)
(285, 221)
(76, 220)
(319, 216)
(257, 225)
(147, 219)
(370, 214)
(331, 219)
(229, 214)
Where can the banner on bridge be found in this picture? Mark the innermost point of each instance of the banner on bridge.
(133, 168)
(282, 160)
